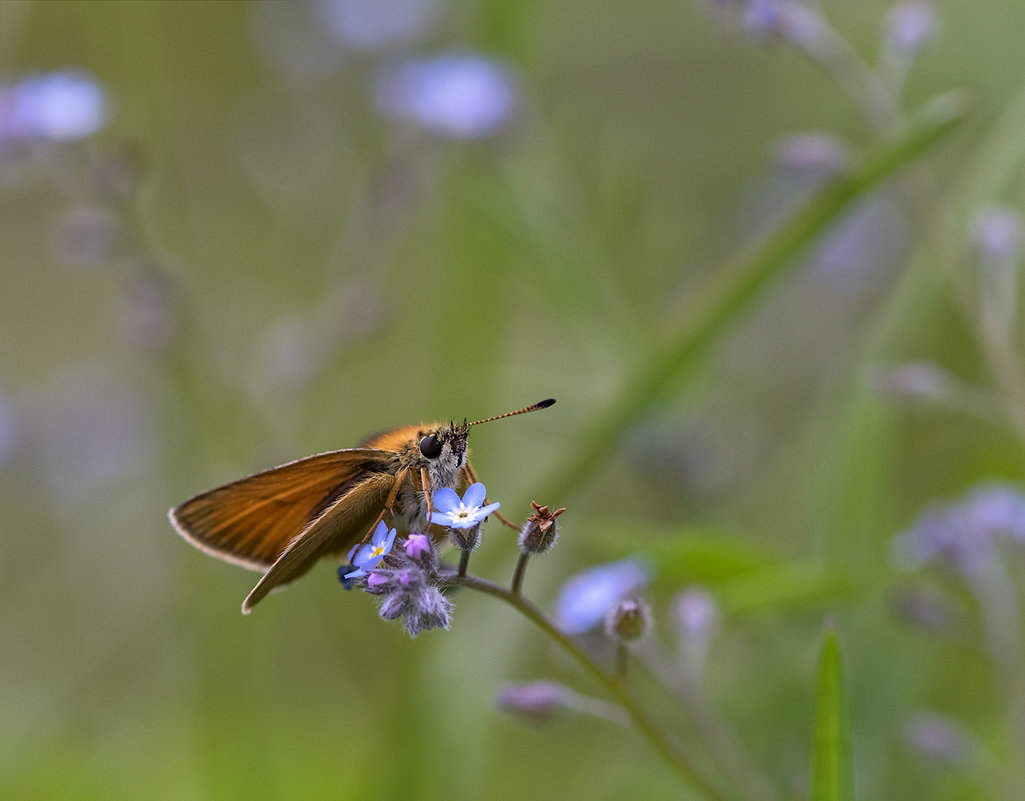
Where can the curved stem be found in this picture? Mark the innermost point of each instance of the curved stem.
(667, 748)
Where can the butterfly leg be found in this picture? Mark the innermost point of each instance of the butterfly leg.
(388, 503)
(425, 481)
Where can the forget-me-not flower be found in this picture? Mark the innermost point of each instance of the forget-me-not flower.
(366, 557)
(452, 511)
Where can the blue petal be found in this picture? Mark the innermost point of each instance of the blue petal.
(486, 510)
(380, 533)
(586, 598)
(347, 575)
(474, 495)
(445, 500)
(390, 541)
(363, 554)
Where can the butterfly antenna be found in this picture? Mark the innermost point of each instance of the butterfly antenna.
(532, 408)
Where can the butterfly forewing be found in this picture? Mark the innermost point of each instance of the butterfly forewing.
(252, 521)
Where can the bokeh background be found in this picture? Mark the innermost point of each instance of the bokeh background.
(236, 233)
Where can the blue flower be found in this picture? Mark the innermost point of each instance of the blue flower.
(452, 512)
(456, 96)
(370, 25)
(586, 599)
(366, 557)
(54, 106)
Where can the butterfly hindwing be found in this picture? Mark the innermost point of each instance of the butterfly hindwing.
(337, 528)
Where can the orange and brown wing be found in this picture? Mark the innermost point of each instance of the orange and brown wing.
(252, 521)
(337, 528)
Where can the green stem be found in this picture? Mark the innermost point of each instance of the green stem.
(521, 569)
(667, 748)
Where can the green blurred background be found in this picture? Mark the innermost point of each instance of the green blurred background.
(251, 263)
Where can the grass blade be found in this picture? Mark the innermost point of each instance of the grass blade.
(832, 760)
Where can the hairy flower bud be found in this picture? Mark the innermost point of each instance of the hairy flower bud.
(629, 620)
(429, 609)
(540, 532)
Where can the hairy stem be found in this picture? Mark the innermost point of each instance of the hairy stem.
(521, 569)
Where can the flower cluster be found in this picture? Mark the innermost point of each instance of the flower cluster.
(406, 579)
(409, 579)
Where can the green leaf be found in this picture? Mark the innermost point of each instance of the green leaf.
(832, 762)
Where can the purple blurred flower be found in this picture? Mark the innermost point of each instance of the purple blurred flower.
(10, 430)
(812, 151)
(586, 599)
(999, 234)
(790, 20)
(964, 533)
(910, 26)
(937, 739)
(696, 615)
(56, 106)
(456, 96)
(536, 700)
(93, 427)
(377, 24)
(912, 380)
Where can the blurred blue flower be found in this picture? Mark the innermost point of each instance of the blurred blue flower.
(454, 96)
(586, 599)
(791, 20)
(365, 557)
(57, 106)
(377, 24)
(452, 512)
(964, 533)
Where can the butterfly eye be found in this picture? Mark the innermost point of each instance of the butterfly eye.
(430, 446)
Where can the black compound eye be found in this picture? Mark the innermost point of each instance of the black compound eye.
(430, 446)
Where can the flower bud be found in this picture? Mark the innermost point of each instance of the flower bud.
(429, 609)
(540, 532)
(629, 620)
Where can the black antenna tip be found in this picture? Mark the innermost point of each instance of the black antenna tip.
(545, 403)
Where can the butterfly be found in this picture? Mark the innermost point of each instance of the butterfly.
(283, 520)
